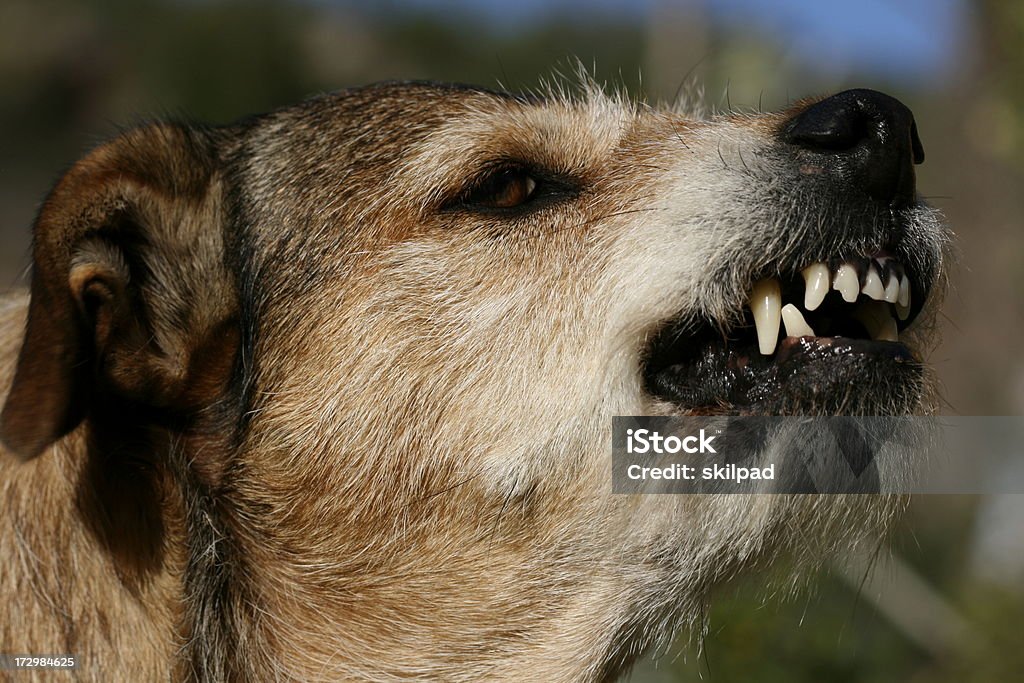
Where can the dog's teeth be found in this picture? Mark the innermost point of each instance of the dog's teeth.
(888, 331)
(816, 283)
(847, 283)
(794, 322)
(879, 322)
(873, 284)
(904, 296)
(903, 300)
(766, 304)
(892, 290)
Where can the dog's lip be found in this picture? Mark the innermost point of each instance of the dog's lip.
(803, 374)
(792, 346)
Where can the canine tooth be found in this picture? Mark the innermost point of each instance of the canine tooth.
(892, 290)
(873, 285)
(902, 311)
(766, 304)
(904, 297)
(794, 322)
(879, 322)
(847, 282)
(816, 283)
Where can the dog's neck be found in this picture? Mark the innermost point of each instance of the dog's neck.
(91, 561)
(115, 566)
(88, 567)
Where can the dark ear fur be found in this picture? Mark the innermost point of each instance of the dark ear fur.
(131, 300)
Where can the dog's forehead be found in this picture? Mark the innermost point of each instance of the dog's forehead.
(349, 158)
(396, 104)
(431, 126)
(564, 135)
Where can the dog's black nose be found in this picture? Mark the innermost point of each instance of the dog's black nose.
(864, 136)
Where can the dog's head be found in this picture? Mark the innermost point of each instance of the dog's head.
(378, 339)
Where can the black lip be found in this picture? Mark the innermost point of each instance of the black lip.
(806, 375)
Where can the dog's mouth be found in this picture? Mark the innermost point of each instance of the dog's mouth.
(825, 339)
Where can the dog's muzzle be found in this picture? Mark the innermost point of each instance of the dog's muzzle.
(823, 329)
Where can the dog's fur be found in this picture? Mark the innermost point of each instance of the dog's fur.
(300, 414)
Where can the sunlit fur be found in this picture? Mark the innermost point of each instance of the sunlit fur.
(419, 484)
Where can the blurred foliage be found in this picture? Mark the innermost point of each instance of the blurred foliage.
(831, 631)
(70, 64)
(824, 634)
(831, 634)
(1001, 110)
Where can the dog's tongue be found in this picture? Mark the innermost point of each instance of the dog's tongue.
(809, 375)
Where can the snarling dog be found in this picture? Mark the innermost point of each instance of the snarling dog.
(326, 394)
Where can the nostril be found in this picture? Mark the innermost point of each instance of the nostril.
(835, 127)
(865, 138)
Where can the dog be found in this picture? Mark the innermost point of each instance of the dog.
(326, 393)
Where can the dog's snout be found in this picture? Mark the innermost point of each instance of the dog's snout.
(866, 137)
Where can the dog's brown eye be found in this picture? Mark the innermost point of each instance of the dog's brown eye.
(505, 190)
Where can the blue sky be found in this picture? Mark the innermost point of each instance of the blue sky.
(906, 39)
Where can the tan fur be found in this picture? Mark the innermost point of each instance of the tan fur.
(338, 431)
(69, 586)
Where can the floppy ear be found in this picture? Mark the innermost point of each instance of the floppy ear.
(131, 299)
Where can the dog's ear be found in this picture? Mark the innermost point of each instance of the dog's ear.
(131, 301)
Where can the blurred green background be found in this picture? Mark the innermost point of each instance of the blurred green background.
(946, 600)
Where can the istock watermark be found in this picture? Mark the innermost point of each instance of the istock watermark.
(647, 441)
(903, 454)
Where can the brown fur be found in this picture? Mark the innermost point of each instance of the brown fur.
(300, 416)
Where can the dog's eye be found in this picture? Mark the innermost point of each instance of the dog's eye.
(506, 189)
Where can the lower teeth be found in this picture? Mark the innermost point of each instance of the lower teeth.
(794, 322)
(875, 317)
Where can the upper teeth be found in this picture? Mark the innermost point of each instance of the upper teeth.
(876, 316)
(816, 276)
(903, 299)
(873, 284)
(766, 304)
(846, 282)
(892, 289)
